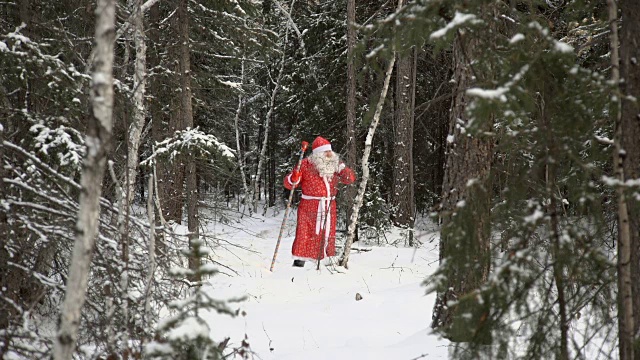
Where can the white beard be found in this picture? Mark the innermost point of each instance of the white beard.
(326, 166)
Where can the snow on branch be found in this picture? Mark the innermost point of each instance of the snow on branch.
(557, 46)
(192, 142)
(501, 91)
(614, 182)
(458, 20)
(65, 143)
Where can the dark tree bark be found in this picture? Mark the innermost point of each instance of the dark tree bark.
(351, 147)
(625, 287)
(174, 192)
(271, 164)
(24, 94)
(4, 228)
(187, 120)
(158, 119)
(402, 195)
(630, 123)
(546, 94)
(467, 158)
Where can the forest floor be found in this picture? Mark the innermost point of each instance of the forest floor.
(303, 313)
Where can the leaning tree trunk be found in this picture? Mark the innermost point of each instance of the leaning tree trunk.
(468, 158)
(99, 132)
(187, 120)
(630, 141)
(368, 143)
(402, 198)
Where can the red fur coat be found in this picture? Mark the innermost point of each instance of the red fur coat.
(313, 240)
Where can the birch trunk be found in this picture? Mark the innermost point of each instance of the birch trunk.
(163, 222)
(139, 108)
(241, 164)
(126, 192)
(98, 138)
(625, 291)
(151, 249)
(357, 203)
(113, 333)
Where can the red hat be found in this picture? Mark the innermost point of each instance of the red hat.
(320, 144)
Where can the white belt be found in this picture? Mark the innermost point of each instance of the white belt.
(323, 210)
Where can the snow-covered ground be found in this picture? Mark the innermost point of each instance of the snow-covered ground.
(303, 313)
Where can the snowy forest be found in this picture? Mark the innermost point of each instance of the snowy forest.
(495, 212)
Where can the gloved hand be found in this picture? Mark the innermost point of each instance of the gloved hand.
(341, 167)
(295, 176)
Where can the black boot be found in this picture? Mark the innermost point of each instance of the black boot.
(298, 263)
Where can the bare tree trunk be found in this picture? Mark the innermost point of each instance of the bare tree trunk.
(402, 198)
(4, 228)
(240, 155)
(113, 333)
(357, 203)
(263, 150)
(352, 150)
(158, 123)
(157, 204)
(98, 142)
(622, 144)
(152, 254)
(174, 196)
(24, 95)
(630, 123)
(139, 108)
(174, 179)
(271, 176)
(125, 195)
(192, 215)
(467, 158)
(554, 233)
(187, 120)
(158, 126)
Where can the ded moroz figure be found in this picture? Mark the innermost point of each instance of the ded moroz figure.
(318, 177)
